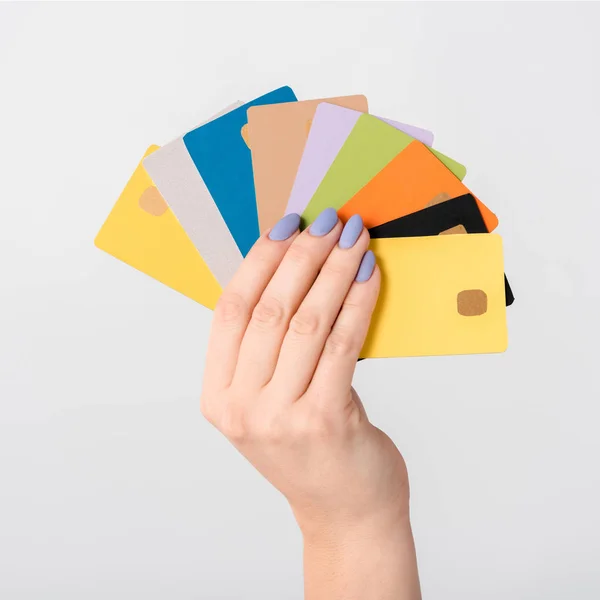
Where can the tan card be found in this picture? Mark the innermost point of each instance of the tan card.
(277, 134)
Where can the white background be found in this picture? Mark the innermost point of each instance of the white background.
(111, 485)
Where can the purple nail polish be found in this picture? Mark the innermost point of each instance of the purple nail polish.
(367, 265)
(324, 223)
(285, 228)
(351, 232)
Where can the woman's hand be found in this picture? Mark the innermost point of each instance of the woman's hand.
(285, 340)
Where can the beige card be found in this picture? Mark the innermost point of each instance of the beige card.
(277, 134)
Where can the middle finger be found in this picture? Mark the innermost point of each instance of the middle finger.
(312, 324)
(280, 300)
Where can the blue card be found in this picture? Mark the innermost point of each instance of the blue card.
(224, 162)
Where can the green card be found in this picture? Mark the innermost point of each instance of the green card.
(371, 145)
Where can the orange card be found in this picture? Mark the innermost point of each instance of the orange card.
(411, 181)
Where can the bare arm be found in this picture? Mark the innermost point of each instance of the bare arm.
(362, 564)
(283, 348)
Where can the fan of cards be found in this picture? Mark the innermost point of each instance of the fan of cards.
(194, 207)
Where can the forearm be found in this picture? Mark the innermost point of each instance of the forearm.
(362, 564)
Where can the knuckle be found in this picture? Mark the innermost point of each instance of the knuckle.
(352, 306)
(305, 322)
(233, 423)
(231, 308)
(269, 313)
(340, 343)
(206, 408)
(315, 424)
(262, 255)
(271, 430)
(299, 255)
(333, 268)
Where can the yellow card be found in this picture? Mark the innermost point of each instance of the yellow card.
(142, 231)
(439, 295)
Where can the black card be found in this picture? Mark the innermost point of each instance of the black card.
(458, 215)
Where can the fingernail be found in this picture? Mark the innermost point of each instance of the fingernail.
(367, 265)
(324, 223)
(285, 228)
(351, 231)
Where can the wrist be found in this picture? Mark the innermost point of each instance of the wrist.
(343, 562)
(339, 532)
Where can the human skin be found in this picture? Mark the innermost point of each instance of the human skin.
(284, 343)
